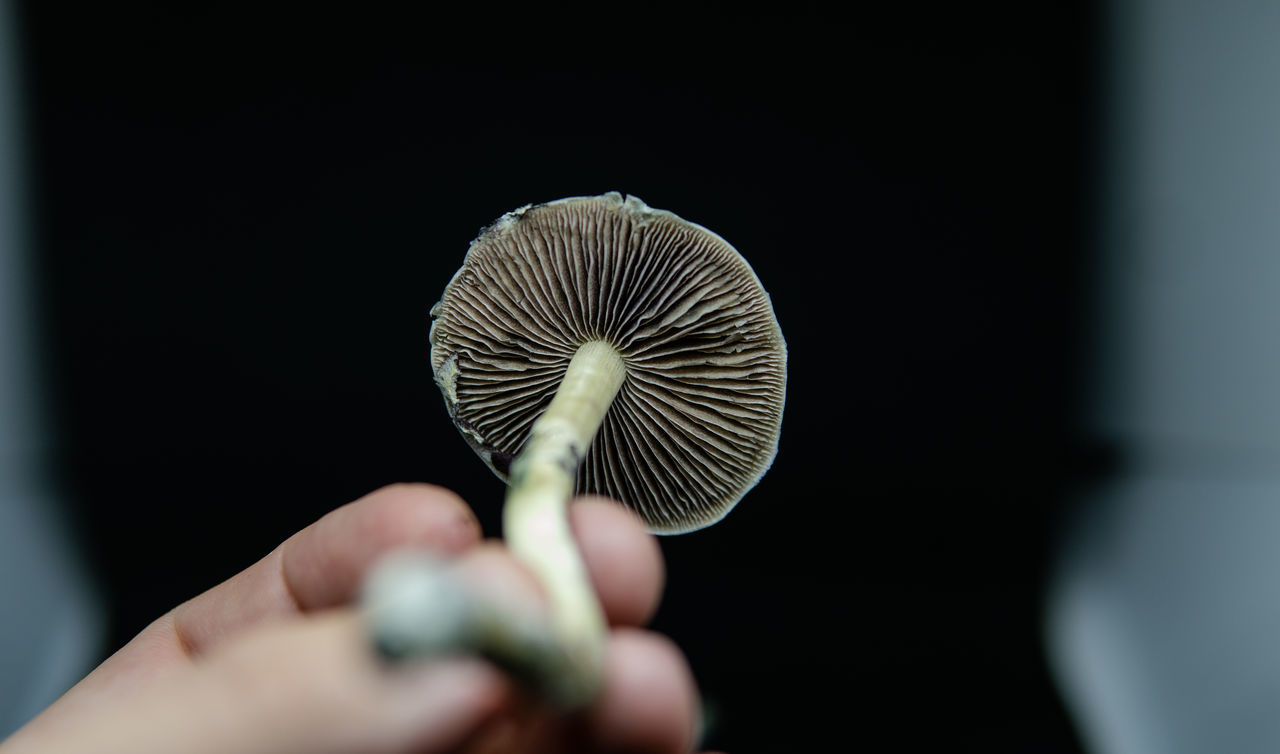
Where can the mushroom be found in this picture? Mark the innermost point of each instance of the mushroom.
(600, 317)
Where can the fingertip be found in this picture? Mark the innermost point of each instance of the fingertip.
(447, 701)
(490, 570)
(324, 564)
(611, 508)
(624, 560)
(649, 702)
(410, 513)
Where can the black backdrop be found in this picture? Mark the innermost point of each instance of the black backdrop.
(243, 218)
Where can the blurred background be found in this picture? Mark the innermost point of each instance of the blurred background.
(232, 222)
(239, 219)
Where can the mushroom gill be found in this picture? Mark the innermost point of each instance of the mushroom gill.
(695, 422)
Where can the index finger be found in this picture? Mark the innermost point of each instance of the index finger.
(323, 565)
(622, 559)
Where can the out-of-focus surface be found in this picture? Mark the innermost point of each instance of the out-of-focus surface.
(245, 217)
(1190, 274)
(51, 622)
(1165, 619)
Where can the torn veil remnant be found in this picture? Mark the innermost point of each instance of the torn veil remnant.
(596, 345)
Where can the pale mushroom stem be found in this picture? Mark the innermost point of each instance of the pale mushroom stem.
(535, 516)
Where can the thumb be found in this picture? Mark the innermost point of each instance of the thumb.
(308, 685)
(317, 686)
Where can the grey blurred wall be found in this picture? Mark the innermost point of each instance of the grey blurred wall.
(1164, 621)
(50, 618)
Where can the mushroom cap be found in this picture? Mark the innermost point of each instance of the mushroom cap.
(696, 421)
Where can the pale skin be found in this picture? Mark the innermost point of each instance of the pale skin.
(277, 658)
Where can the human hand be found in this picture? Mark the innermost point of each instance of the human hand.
(276, 659)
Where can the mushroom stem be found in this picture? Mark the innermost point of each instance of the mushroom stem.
(535, 520)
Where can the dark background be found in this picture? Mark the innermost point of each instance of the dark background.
(243, 218)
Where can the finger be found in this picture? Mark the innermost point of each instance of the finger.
(316, 686)
(622, 558)
(325, 563)
(623, 562)
(322, 565)
(492, 572)
(649, 702)
(648, 705)
(305, 685)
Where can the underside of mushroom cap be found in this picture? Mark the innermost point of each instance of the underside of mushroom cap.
(696, 422)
